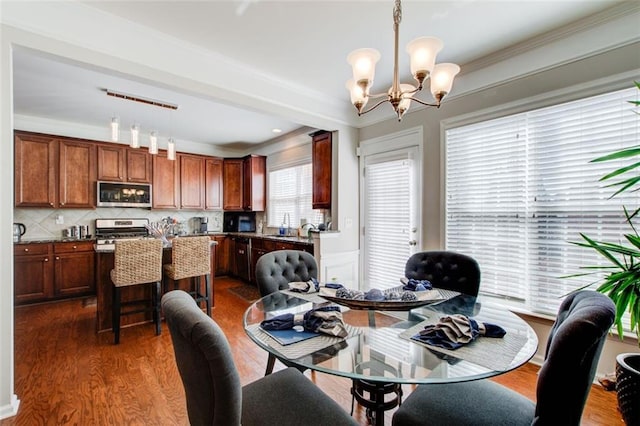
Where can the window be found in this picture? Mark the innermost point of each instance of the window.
(520, 188)
(290, 191)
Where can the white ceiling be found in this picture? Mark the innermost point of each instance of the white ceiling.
(301, 44)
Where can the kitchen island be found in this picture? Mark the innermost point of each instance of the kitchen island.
(104, 289)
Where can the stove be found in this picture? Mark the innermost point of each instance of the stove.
(110, 230)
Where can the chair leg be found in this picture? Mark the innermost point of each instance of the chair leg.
(207, 292)
(271, 362)
(115, 313)
(156, 307)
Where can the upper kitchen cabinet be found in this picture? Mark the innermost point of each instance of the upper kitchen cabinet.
(232, 169)
(117, 163)
(245, 183)
(254, 183)
(55, 173)
(213, 183)
(166, 182)
(321, 161)
(35, 170)
(192, 181)
(77, 174)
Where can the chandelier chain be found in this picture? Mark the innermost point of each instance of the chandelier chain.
(397, 13)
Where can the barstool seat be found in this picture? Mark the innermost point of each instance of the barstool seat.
(191, 258)
(136, 262)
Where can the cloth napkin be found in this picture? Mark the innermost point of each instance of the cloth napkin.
(311, 286)
(455, 331)
(417, 285)
(327, 320)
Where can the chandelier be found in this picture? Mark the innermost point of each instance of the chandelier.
(422, 52)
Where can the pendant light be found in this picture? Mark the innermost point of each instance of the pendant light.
(171, 149)
(153, 142)
(115, 129)
(135, 136)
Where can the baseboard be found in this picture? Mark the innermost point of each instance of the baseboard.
(10, 409)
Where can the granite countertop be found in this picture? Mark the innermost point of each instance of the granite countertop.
(274, 237)
(52, 240)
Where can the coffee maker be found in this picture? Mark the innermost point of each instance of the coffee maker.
(202, 224)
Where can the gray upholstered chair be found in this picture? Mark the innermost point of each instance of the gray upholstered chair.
(275, 270)
(573, 349)
(445, 269)
(212, 384)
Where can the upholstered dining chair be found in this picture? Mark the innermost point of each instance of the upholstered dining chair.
(564, 381)
(275, 270)
(445, 269)
(191, 258)
(212, 384)
(136, 262)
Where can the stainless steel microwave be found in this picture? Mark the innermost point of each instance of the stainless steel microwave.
(122, 194)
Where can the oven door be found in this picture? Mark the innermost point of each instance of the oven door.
(120, 194)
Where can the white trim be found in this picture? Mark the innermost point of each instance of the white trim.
(392, 142)
(11, 409)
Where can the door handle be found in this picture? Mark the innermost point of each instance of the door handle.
(413, 243)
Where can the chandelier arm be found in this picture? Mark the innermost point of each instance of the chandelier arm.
(437, 105)
(378, 95)
(374, 107)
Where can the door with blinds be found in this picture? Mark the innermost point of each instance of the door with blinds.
(390, 214)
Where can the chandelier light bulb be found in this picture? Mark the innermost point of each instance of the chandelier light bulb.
(135, 136)
(442, 79)
(153, 142)
(363, 63)
(171, 149)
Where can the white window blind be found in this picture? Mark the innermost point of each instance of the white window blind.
(520, 188)
(290, 191)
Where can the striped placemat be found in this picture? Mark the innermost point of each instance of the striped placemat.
(310, 297)
(493, 353)
(303, 348)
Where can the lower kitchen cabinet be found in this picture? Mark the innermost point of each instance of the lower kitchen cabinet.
(261, 246)
(50, 271)
(222, 255)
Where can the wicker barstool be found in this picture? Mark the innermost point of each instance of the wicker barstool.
(136, 262)
(191, 258)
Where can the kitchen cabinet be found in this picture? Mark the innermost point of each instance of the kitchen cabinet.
(245, 183)
(166, 182)
(54, 172)
(261, 246)
(50, 271)
(192, 181)
(254, 195)
(222, 255)
(74, 268)
(118, 163)
(77, 174)
(32, 273)
(232, 169)
(213, 186)
(321, 162)
(35, 170)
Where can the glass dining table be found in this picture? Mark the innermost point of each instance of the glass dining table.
(379, 354)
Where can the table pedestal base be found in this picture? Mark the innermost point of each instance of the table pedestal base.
(376, 403)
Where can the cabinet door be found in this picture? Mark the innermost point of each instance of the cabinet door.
(74, 273)
(166, 182)
(77, 174)
(138, 166)
(222, 255)
(35, 171)
(256, 254)
(191, 181)
(111, 163)
(32, 273)
(213, 184)
(233, 174)
(321, 160)
(254, 186)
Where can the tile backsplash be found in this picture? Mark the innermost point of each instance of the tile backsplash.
(43, 223)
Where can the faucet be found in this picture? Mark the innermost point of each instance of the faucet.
(310, 225)
(287, 219)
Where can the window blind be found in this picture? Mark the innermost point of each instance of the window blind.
(521, 187)
(290, 191)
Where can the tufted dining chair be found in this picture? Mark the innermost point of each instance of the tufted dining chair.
(445, 269)
(213, 390)
(564, 381)
(275, 270)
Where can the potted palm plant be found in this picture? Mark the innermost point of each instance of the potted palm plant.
(621, 278)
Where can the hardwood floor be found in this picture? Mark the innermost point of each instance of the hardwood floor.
(66, 374)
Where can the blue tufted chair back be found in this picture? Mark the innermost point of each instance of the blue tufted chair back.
(445, 269)
(276, 269)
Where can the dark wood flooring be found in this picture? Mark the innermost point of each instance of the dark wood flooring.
(66, 374)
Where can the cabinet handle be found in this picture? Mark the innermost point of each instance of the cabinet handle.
(75, 247)
(62, 204)
(26, 249)
(46, 259)
(57, 257)
(51, 204)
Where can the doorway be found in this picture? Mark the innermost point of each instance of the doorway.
(390, 176)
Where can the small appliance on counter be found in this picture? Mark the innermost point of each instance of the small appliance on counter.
(18, 231)
(201, 224)
(239, 222)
